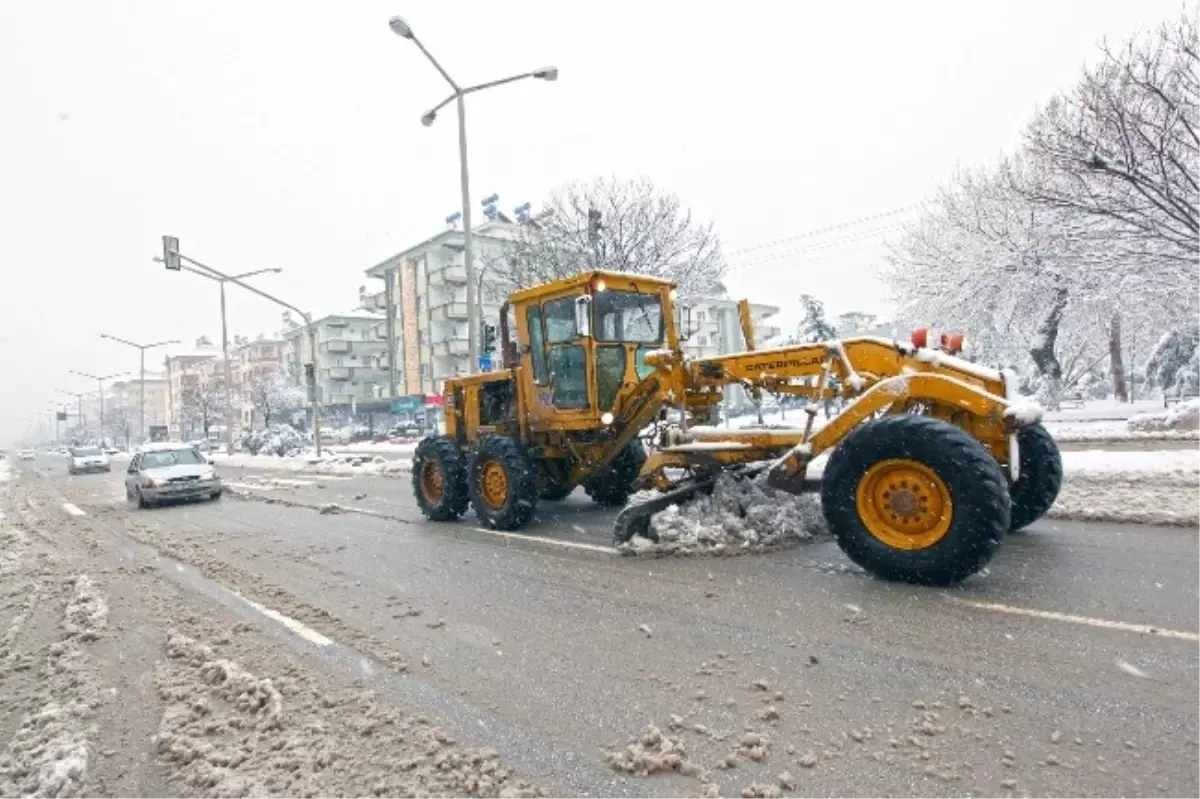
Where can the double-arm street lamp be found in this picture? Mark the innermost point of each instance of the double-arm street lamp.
(402, 29)
(142, 373)
(173, 259)
(100, 385)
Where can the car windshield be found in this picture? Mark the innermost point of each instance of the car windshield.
(85, 451)
(628, 316)
(164, 458)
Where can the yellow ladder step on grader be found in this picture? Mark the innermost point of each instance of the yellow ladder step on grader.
(931, 462)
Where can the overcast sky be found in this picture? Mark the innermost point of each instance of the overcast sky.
(277, 133)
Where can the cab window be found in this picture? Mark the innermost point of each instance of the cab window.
(560, 320)
(537, 345)
(628, 316)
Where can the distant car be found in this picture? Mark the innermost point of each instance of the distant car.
(87, 459)
(162, 473)
(27, 455)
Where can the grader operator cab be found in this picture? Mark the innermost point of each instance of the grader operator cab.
(932, 460)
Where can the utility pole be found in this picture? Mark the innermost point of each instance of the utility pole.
(142, 374)
(405, 31)
(173, 259)
(100, 385)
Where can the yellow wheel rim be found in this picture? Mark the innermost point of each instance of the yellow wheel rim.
(493, 484)
(431, 482)
(904, 504)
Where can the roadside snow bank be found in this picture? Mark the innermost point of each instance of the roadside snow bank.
(350, 465)
(1183, 417)
(739, 516)
(48, 754)
(227, 732)
(1150, 465)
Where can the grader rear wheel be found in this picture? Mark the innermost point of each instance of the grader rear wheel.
(502, 485)
(440, 479)
(915, 499)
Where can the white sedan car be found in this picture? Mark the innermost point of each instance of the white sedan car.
(87, 459)
(27, 455)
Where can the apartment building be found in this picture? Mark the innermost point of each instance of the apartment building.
(248, 363)
(124, 398)
(712, 326)
(350, 347)
(428, 283)
(183, 376)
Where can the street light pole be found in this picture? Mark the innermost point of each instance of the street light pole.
(405, 31)
(222, 278)
(142, 376)
(100, 385)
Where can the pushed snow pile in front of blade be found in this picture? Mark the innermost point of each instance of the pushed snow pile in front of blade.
(740, 516)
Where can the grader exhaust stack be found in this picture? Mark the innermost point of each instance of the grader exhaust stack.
(930, 463)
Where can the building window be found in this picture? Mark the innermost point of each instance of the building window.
(701, 341)
(699, 316)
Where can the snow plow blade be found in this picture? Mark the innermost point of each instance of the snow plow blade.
(635, 519)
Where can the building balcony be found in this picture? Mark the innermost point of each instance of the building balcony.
(765, 332)
(453, 274)
(337, 323)
(380, 331)
(340, 373)
(337, 345)
(453, 346)
(449, 311)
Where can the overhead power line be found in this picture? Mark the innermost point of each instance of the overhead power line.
(862, 220)
(774, 257)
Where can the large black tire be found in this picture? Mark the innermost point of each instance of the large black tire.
(974, 481)
(1040, 478)
(502, 485)
(613, 486)
(440, 479)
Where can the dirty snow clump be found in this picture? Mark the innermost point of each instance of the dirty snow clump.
(739, 516)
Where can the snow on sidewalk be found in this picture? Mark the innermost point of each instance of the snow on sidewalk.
(350, 465)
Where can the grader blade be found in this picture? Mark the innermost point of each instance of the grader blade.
(635, 519)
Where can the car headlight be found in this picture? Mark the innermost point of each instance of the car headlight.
(152, 483)
(209, 475)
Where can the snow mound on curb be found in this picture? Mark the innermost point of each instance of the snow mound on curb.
(348, 465)
(739, 516)
(227, 732)
(1185, 416)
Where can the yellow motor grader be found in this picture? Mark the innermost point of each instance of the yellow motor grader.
(931, 461)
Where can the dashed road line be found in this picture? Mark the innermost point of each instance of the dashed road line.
(1070, 618)
(554, 541)
(72, 509)
(300, 629)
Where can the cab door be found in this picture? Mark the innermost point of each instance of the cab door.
(557, 362)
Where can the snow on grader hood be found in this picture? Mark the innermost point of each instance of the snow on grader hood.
(932, 460)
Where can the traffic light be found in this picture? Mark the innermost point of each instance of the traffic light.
(171, 253)
(594, 225)
(488, 339)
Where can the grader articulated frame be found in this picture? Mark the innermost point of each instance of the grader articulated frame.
(931, 460)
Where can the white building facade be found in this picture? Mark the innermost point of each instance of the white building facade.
(349, 349)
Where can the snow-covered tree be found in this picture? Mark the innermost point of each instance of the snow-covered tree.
(1172, 363)
(203, 406)
(813, 324)
(275, 392)
(641, 229)
(1123, 146)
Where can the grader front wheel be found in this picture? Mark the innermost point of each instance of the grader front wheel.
(915, 499)
(502, 485)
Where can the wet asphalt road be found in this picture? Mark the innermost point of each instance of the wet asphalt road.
(1041, 677)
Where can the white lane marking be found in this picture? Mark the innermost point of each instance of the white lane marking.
(249, 486)
(1142, 629)
(71, 509)
(302, 630)
(543, 540)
